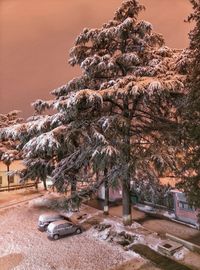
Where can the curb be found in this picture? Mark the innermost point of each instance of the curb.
(183, 223)
(189, 245)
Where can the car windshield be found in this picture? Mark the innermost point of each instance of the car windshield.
(51, 226)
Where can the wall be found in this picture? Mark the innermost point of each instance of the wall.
(16, 165)
(189, 216)
(114, 194)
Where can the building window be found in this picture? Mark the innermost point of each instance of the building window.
(185, 206)
(1, 180)
(11, 179)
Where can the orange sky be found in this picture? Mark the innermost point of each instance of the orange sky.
(36, 35)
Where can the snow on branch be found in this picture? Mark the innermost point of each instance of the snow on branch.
(130, 8)
(10, 155)
(128, 59)
(44, 143)
(75, 84)
(43, 123)
(99, 137)
(183, 62)
(81, 99)
(13, 132)
(146, 86)
(40, 105)
(109, 150)
(144, 27)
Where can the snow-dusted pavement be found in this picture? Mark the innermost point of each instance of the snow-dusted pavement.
(161, 226)
(22, 246)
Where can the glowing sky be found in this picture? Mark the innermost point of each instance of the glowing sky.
(36, 35)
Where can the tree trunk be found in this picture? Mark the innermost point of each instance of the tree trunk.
(106, 201)
(36, 184)
(126, 203)
(8, 176)
(126, 199)
(75, 200)
(44, 183)
(73, 186)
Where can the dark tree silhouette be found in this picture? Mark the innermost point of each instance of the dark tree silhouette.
(191, 113)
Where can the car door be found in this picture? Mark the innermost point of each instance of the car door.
(69, 228)
(61, 229)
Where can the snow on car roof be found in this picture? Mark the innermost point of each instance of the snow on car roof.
(48, 216)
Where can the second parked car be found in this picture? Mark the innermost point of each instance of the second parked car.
(46, 219)
(61, 228)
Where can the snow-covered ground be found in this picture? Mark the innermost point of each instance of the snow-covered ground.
(26, 248)
(23, 247)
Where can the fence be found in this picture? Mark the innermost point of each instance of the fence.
(15, 187)
(13, 182)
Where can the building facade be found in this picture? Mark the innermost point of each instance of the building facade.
(184, 211)
(14, 179)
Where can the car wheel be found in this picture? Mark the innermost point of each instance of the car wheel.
(78, 231)
(55, 237)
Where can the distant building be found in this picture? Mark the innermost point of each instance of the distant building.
(114, 194)
(181, 208)
(14, 180)
(183, 211)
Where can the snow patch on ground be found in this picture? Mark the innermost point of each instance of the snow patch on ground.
(180, 254)
(169, 215)
(103, 235)
(135, 225)
(146, 208)
(151, 239)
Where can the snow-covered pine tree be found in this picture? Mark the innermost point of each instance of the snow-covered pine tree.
(119, 116)
(8, 147)
(135, 83)
(191, 113)
(39, 139)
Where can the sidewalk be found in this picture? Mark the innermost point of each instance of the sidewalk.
(10, 198)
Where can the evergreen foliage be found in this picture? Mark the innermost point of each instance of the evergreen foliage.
(191, 113)
(120, 115)
(8, 147)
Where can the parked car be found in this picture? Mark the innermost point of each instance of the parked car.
(61, 228)
(45, 219)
